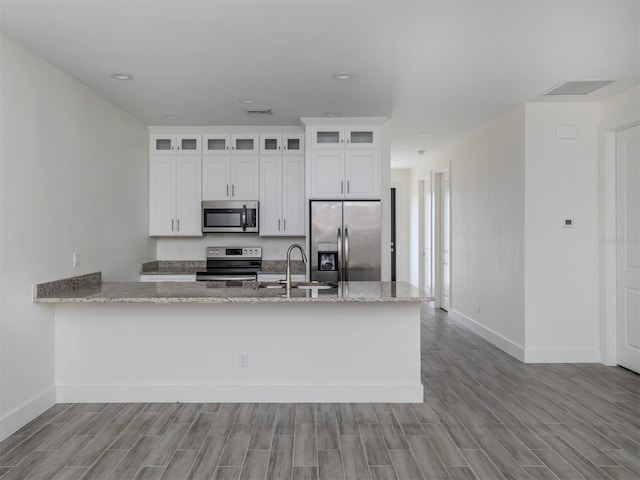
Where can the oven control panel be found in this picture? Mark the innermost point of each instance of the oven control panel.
(234, 252)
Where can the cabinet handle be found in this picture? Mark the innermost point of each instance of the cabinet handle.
(227, 147)
(172, 224)
(285, 225)
(178, 225)
(348, 186)
(341, 186)
(233, 190)
(227, 189)
(278, 224)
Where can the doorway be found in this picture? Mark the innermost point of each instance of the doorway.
(425, 238)
(393, 234)
(628, 247)
(442, 239)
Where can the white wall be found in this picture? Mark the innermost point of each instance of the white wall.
(487, 229)
(561, 264)
(73, 178)
(401, 181)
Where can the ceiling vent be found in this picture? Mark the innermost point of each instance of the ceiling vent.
(581, 87)
(258, 111)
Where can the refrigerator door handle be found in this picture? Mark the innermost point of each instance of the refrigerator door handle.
(339, 254)
(346, 254)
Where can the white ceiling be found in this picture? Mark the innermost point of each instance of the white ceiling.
(444, 67)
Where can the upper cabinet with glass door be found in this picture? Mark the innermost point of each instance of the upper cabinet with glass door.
(172, 144)
(345, 137)
(361, 137)
(216, 144)
(245, 144)
(282, 144)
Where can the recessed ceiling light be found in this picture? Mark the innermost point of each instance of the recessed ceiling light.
(425, 134)
(247, 101)
(343, 76)
(330, 114)
(421, 152)
(122, 76)
(170, 116)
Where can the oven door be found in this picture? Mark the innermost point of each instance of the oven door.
(225, 217)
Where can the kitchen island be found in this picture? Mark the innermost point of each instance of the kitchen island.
(192, 342)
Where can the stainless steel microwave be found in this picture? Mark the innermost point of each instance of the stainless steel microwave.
(230, 217)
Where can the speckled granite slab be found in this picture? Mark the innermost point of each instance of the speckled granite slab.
(177, 267)
(202, 292)
(68, 285)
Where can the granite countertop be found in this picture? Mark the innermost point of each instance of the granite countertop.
(203, 292)
(190, 267)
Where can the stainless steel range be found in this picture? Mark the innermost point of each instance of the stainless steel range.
(232, 263)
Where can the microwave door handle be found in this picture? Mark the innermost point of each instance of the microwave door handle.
(244, 218)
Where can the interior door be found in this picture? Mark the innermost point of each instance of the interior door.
(628, 247)
(445, 204)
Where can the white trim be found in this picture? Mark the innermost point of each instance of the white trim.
(503, 343)
(562, 355)
(402, 393)
(29, 410)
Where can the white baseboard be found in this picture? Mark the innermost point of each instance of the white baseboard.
(241, 393)
(503, 343)
(562, 355)
(22, 415)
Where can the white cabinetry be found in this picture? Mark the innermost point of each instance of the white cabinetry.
(282, 195)
(171, 144)
(345, 173)
(344, 162)
(282, 144)
(175, 195)
(231, 167)
(230, 177)
(347, 137)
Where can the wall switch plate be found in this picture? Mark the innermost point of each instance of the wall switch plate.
(567, 222)
(243, 359)
(76, 259)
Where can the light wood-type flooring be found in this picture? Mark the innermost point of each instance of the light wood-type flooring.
(485, 416)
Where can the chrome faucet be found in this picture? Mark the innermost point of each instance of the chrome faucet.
(287, 280)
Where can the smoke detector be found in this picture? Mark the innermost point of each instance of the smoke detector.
(579, 87)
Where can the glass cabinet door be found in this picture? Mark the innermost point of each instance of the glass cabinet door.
(270, 144)
(217, 143)
(293, 144)
(189, 144)
(361, 137)
(161, 144)
(244, 144)
(327, 137)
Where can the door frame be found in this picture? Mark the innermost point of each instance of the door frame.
(436, 227)
(422, 242)
(608, 249)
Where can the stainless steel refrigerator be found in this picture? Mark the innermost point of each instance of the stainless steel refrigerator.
(345, 240)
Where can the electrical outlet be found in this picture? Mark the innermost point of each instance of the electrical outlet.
(76, 259)
(243, 359)
(478, 307)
